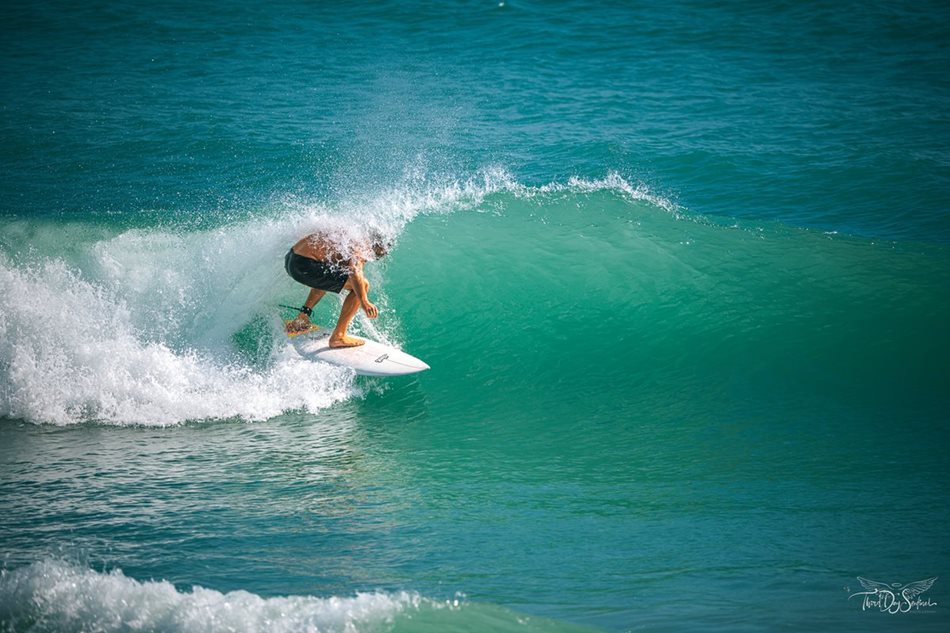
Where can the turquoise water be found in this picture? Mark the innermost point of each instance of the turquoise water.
(681, 273)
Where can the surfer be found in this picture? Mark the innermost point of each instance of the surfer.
(317, 262)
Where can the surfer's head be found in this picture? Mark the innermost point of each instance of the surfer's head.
(379, 244)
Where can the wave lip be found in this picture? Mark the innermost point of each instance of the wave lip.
(56, 596)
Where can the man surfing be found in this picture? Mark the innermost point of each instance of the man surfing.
(319, 263)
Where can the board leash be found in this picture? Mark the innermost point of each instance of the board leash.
(304, 309)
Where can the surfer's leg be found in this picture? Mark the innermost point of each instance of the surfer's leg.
(339, 338)
(314, 297)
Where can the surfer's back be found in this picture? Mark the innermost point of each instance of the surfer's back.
(316, 246)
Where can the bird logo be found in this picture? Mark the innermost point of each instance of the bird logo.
(894, 597)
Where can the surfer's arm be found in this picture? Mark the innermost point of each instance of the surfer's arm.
(360, 286)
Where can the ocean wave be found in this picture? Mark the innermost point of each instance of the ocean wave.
(140, 326)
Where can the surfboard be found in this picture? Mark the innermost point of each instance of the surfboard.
(370, 359)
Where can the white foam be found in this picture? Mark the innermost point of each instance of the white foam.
(72, 350)
(56, 596)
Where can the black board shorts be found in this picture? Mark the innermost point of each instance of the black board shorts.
(314, 273)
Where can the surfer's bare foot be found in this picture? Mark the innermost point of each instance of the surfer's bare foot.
(345, 341)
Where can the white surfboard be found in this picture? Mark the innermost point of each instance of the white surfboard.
(370, 359)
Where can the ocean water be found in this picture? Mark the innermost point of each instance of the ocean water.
(681, 271)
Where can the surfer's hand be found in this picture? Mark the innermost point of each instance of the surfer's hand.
(371, 310)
